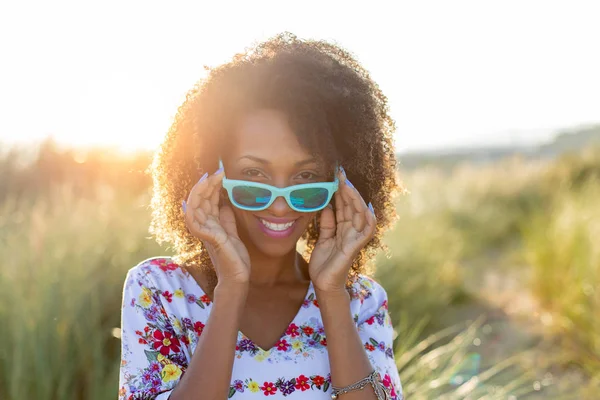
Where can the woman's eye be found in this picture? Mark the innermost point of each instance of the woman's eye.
(307, 176)
(253, 173)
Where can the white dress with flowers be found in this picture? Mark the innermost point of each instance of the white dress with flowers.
(165, 311)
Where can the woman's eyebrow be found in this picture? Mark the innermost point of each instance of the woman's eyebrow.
(267, 162)
(257, 159)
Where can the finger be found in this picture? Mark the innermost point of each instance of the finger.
(327, 224)
(195, 220)
(360, 211)
(371, 221)
(204, 188)
(339, 207)
(352, 196)
(349, 209)
(227, 220)
(216, 192)
(205, 227)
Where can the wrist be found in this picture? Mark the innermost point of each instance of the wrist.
(333, 296)
(231, 292)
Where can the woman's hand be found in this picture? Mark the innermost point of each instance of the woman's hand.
(341, 237)
(215, 227)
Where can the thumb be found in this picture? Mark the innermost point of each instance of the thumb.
(327, 224)
(227, 220)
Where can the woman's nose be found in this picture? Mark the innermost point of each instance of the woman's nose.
(280, 207)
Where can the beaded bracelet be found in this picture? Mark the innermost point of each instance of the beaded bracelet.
(381, 392)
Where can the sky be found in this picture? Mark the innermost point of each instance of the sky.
(456, 73)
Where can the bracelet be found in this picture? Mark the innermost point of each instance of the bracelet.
(381, 392)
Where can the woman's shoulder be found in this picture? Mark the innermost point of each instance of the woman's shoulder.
(365, 287)
(158, 272)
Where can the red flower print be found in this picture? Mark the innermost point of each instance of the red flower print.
(282, 345)
(387, 382)
(205, 299)
(385, 305)
(302, 383)
(369, 347)
(318, 380)
(146, 329)
(315, 303)
(185, 339)
(292, 330)
(168, 296)
(165, 265)
(139, 333)
(268, 388)
(308, 330)
(142, 341)
(371, 320)
(324, 342)
(165, 343)
(198, 328)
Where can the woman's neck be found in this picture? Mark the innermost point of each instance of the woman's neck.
(270, 271)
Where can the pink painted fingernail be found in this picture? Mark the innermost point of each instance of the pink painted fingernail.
(371, 208)
(184, 206)
(349, 183)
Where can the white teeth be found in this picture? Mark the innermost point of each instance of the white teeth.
(276, 227)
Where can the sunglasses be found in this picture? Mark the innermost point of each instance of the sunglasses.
(255, 196)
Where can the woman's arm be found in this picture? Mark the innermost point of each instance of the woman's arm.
(347, 357)
(359, 344)
(209, 372)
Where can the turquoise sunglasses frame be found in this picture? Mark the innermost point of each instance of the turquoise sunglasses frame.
(230, 184)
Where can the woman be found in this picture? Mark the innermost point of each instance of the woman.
(239, 312)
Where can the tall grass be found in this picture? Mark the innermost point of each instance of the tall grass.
(63, 265)
(563, 248)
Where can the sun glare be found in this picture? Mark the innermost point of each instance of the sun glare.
(129, 114)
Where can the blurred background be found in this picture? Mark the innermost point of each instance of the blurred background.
(493, 268)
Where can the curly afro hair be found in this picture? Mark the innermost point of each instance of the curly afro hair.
(333, 106)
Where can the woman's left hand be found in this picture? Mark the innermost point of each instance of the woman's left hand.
(341, 237)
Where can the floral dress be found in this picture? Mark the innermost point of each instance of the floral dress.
(164, 314)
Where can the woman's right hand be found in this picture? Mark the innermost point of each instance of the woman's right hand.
(215, 226)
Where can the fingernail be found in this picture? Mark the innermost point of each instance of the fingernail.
(183, 206)
(349, 183)
(203, 177)
(217, 172)
(371, 208)
(343, 170)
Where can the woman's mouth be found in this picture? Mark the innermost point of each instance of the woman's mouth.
(280, 229)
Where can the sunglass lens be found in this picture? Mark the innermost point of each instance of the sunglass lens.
(250, 196)
(309, 199)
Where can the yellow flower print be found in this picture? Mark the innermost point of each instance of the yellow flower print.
(177, 324)
(170, 373)
(253, 386)
(262, 355)
(145, 298)
(297, 345)
(179, 293)
(161, 358)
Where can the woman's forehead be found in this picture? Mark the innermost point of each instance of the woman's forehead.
(267, 135)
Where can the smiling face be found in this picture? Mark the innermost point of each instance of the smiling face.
(265, 149)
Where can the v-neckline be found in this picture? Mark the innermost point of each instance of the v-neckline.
(241, 335)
